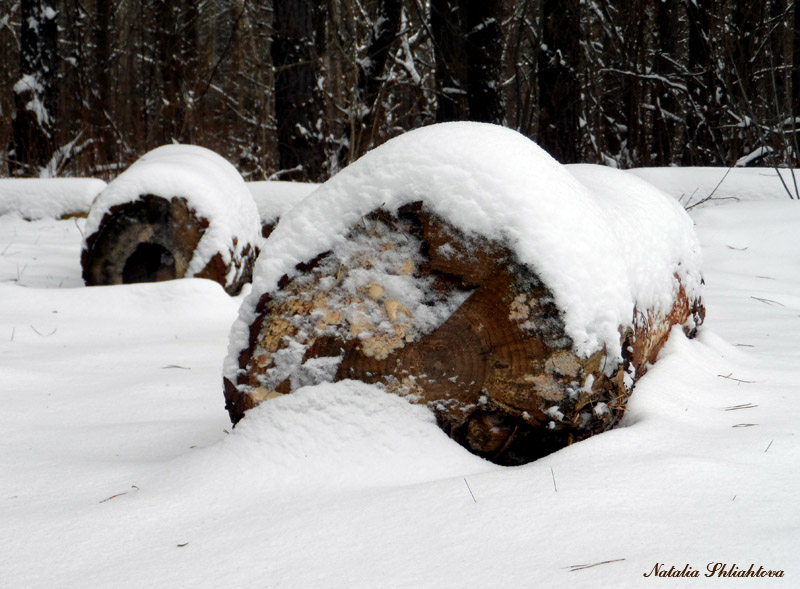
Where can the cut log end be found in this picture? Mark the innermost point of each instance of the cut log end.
(152, 239)
(419, 308)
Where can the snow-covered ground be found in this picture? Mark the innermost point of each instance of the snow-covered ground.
(118, 466)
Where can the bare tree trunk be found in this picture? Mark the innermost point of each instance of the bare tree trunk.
(35, 93)
(103, 134)
(177, 56)
(701, 117)
(294, 58)
(371, 70)
(449, 29)
(667, 107)
(559, 87)
(485, 61)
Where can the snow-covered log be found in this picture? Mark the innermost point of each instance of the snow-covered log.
(462, 267)
(273, 197)
(40, 198)
(178, 211)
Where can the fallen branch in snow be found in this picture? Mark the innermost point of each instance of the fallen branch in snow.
(745, 425)
(37, 332)
(711, 194)
(738, 249)
(118, 494)
(175, 366)
(706, 199)
(470, 491)
(768, 301)
(729, 377)
(552, 474)
(769, 446)
(113, 497)
(580, 567)
(77, 225)
(743, 406)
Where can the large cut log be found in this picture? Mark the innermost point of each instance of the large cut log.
(522, 334)
(179, 211)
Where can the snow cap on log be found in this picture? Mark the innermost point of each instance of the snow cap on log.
(467, 239)
(656, 237)
(184, 203)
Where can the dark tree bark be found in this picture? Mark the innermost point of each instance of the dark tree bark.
(101, 89)
(449, 30)
(485, 61)
(35, 93)
(371, 70)
(384, 32)
(468, 42)
(701, 117)
(559, 87)
(294, 55)
(795, 78)
(177, 57)
(666, 116)
(746, 17)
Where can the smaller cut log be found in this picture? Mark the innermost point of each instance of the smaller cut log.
(179, 211)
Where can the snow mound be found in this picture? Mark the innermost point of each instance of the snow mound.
(273, 197)
(491, 183)
(43, 198)
(210, 185)
(347, 434)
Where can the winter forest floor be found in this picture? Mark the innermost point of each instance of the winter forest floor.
(119, 468)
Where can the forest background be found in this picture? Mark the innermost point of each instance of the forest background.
(295, 90)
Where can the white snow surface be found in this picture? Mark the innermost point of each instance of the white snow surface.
(690, 186)
(492, 182)
(209, 183)
(117, 468)
(274, 197)
(53, 197)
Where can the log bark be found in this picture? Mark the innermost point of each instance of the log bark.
(497, 369)
(153, 238)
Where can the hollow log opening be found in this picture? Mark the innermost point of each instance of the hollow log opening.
(149, 262)
(449, 320)
(149, 239)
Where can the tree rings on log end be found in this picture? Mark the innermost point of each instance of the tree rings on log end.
(414, 305)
